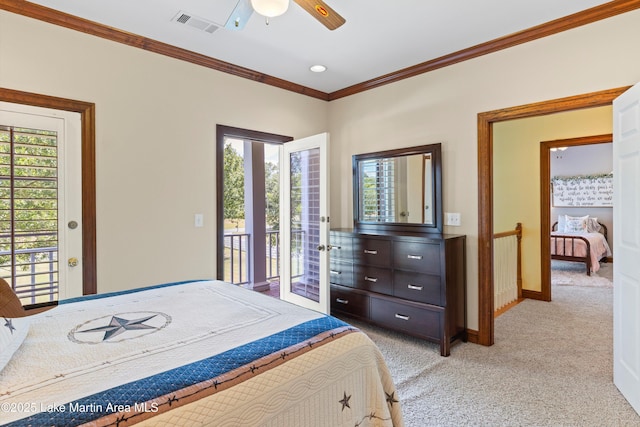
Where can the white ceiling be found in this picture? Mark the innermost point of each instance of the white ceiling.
(378, 38)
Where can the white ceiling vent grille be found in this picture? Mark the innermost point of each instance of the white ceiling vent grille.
(195, 22)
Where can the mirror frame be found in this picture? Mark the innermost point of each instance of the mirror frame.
(436, 152)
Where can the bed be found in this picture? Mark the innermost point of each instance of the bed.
(192, 353)
(580, 239)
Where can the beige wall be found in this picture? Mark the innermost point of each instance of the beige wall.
(155, 141)
(516, 174)
(156, 127)
(442, 106)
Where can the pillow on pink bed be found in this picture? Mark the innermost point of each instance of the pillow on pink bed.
(592, 225)
(564, 219)
(576, 225)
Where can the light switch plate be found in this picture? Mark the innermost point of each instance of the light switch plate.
(198, 220)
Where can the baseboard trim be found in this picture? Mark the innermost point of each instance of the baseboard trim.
(526, 293)
(473, 336)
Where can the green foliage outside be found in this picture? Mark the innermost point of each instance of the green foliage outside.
(33, 194)
(234, 189)
(272, 195)
(233, 183)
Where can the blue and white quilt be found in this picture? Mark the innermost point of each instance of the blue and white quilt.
(198, 353)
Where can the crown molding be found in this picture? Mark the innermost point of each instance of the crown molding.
(597, 13)
(578, 19)
(72, 22)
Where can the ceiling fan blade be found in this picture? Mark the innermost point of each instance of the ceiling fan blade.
(322, 12)
(239, 16)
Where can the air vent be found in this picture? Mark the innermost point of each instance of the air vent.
(195, 22)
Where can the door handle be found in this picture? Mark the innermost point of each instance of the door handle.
(72, 262)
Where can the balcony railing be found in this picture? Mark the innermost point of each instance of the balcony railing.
(237, 259)
(273, 254)
(36, 280)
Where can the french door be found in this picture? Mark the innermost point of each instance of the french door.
(40, 202)
(626, 241)
(304, 276)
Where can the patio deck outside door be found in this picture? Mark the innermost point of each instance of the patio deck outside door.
(305, 223)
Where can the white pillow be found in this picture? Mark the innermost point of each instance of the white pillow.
(578, 223)
(562, 223)
(592, 225)
(12, 334)
(574, 226)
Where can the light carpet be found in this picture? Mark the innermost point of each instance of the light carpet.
(567, 273)
(551, 365)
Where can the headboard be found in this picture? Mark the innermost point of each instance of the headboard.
(603, 229)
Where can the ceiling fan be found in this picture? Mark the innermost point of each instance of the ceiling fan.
(272, 8)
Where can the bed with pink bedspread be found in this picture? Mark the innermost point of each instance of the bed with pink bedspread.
(583, 240)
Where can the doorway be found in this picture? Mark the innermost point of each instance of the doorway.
(249, 255)
(40, 194)
(557, 148)
(87, 171)
(486, 120)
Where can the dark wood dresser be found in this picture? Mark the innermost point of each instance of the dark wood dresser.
(410, 282)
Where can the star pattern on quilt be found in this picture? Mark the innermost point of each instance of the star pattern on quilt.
(391, 399)
(119, 325)
(9, 324)
(345, 401)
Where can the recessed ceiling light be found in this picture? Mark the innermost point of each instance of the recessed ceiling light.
(318, 68)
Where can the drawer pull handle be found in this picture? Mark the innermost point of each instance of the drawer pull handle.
(402, 317)
(414, 287)
(371, 279)
(414, 256)
(342, 301)
(370, 252)
(335, 272)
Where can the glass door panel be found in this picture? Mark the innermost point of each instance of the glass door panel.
(304, 279)
(304, 193)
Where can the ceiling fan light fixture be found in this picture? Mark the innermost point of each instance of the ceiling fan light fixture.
(270, 8)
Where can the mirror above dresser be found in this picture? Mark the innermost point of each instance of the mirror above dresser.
(399, 189)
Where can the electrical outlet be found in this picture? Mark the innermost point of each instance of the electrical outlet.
(452, 218)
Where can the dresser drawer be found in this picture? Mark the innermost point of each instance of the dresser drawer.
(341, 273)
(376, 252)
(373, 279)
(349, 302)
(413, 256)
(418, 321)
(341, 246)
(418, 287)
